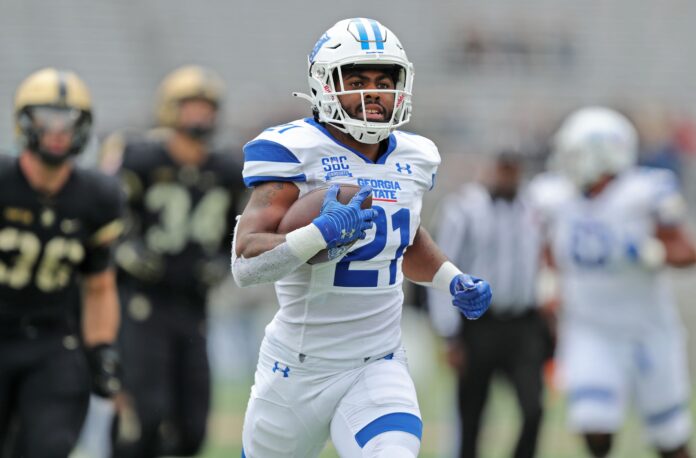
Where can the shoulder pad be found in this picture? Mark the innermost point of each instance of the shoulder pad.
(276, 153)
(426, 147)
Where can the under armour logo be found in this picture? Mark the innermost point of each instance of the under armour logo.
(286, 371)
(345, 235)
(403, 168)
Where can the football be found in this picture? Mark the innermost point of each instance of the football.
(307, 207)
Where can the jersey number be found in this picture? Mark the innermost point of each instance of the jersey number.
(590, 245)
(179, 223)
(401, 222)
(53, 272)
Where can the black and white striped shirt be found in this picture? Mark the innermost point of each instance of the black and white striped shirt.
(494, 239)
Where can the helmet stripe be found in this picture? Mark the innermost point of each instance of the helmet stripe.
(379, 41)
(364, 40)
(62, 88)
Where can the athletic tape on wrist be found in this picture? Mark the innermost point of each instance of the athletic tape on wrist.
(444, 275)
(305, 242)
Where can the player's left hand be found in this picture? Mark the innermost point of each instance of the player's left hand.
(471, 295)
(105, 368)
(649, 253)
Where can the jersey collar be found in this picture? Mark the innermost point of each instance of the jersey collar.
(380, 160)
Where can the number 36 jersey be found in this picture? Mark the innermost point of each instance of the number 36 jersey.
(350, 307)
(45, 241)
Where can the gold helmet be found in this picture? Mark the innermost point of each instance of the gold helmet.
(49, 99)
(189, 82)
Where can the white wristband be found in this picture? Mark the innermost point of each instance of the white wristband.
(652, 253)
(444, 275)
(548, 285)
(305, 242)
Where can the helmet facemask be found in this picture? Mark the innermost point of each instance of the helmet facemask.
(356, 44)
(37, 122)
(202, 123)
(330, 110)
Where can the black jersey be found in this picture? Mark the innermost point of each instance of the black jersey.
(183, 214)
(46, 242)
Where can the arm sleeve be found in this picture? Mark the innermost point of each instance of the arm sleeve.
(450, 237)
(267, 267)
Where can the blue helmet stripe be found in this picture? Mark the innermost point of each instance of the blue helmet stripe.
(378, 34)
(364, 40)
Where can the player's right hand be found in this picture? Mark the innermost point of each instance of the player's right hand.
(340, 224)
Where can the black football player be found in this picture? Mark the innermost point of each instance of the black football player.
(59, 310)
(182, 203)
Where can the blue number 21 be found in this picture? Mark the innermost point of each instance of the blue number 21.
(368, 278)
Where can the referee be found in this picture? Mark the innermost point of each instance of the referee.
(488, 228)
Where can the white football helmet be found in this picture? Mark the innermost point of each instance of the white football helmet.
(358, 41)
(593, 142)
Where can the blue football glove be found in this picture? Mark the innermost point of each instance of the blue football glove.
(471, 295)
(341, 224)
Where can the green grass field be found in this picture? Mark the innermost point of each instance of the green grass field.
(436, 400)
(435, 385)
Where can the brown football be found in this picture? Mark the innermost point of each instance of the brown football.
(303, 211)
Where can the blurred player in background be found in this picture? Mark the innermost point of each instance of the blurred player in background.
(332, 363)
(613, 228)
(57, 226)
(182, 203)
(489, 228)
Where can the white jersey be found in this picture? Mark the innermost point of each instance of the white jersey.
(349, 308)
(591, 240)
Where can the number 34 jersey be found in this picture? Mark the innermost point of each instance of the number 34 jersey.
(45, 241)
(183, 214)
(350, 307)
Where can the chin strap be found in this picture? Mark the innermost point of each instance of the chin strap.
(304, 96)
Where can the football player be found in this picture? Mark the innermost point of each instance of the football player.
(332, 363)
(182, 202)
(57, 226)
(613, 230)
